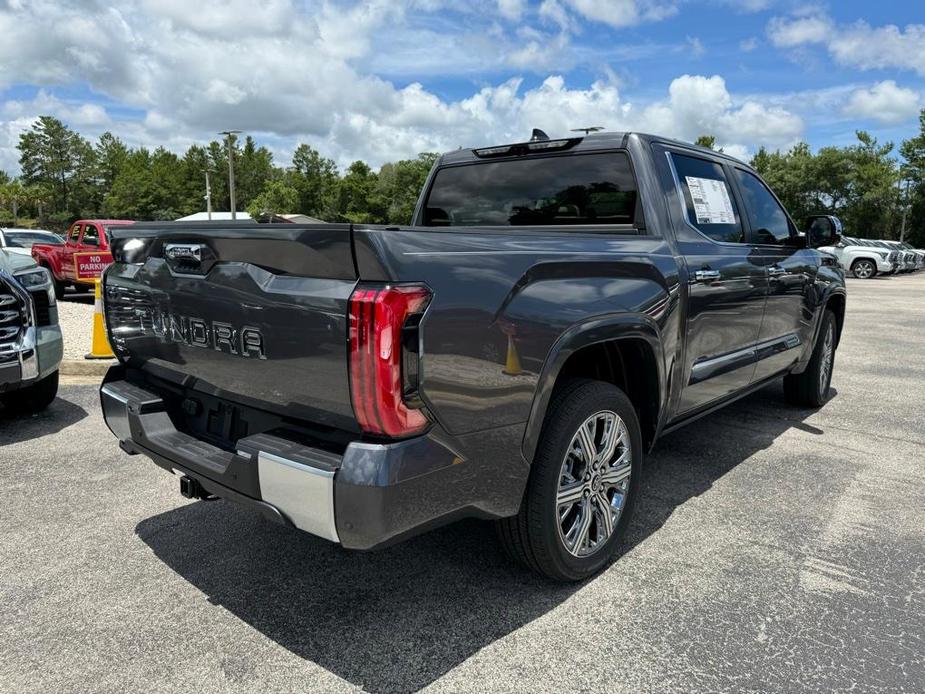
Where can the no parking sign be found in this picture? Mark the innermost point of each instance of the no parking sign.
(89, 266)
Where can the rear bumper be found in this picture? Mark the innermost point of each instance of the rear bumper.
(366, 496)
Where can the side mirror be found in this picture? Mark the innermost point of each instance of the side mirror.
(823, 230)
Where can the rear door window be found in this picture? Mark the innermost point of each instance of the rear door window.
(596, 189)
(91, 235)
(708, 200)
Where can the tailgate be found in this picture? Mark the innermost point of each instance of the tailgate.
(253, 313)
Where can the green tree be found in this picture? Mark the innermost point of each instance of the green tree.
(315, 178)
(53, 155)
(354, 201)
(277, 197)
(151, 185)
(13, 197)
(913, 176)
(399, 185)
(111, 154)
(708, 141)
(253, 168)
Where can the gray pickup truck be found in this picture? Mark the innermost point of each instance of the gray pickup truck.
(31, 347)
(554, 308)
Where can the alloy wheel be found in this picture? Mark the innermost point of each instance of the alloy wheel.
(593, 483)
(828, 358)
(863, 269)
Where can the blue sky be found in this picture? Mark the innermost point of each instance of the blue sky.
(385, 79)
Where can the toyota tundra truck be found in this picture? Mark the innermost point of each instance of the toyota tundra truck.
(554, 307)
(31, 346)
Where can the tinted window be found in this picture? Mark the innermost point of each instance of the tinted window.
(711, 207)
(25, 239)
(91, 235)
(768, 220)
(579, 189)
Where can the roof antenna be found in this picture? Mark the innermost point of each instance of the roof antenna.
(538, 136)
(588, 131)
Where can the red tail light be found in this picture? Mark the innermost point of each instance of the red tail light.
(378, 316)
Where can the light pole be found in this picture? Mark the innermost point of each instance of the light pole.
(904, 199)
(228, 135)
(208, 195)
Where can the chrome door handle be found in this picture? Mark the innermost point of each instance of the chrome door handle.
(776, 271)
(706, 275)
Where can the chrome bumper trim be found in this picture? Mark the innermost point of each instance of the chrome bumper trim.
(304, 494)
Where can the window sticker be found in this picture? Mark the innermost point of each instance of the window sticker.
(712, 203)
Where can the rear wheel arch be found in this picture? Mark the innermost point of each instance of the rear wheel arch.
(627, 355)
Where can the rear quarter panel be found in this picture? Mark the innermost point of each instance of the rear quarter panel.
(503, 298)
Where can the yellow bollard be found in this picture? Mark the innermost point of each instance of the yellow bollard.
(99, 347)
(512, 366)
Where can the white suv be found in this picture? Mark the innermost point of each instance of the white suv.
(863, 261)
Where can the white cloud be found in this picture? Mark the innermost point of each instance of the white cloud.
(797, 31)
(623, 13)
(856, 45)
(867, 47)
(512, 9)
(288, 75)
(695, 46)
(749, 44)
(885, 102)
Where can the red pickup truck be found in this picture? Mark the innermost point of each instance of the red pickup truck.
(84, 255)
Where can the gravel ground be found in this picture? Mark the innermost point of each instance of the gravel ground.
(774, 549)
(75, 313)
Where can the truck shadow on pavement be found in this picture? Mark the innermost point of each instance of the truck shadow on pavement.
(16, 427)
(399, 618)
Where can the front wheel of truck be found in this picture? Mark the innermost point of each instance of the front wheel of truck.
(583, 484)
(811, 388)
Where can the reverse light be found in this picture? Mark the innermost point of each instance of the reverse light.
(383, 360)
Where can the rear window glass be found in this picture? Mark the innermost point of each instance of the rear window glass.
(578, 189)
(708, 199)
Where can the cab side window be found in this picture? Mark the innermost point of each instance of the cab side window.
(91, 235)
(708, 199)
(74, 234)
(770, 224)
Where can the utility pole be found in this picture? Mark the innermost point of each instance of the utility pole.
(228, 135)
(208, 196)
(905, 200)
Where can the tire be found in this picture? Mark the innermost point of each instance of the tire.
(863, 269)
(577, 545)
(811, 388)
(34, 398)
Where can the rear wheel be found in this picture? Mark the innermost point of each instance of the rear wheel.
(583, 484)
(811, 388)
(863, 269)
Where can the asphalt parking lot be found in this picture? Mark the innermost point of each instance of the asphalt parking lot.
(775, 549)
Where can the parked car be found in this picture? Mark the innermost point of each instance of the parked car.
(862, 258)
(908, 257)
(21, 241)
(919, 254)
(31, 347)
(556, 306)
(82, 258)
